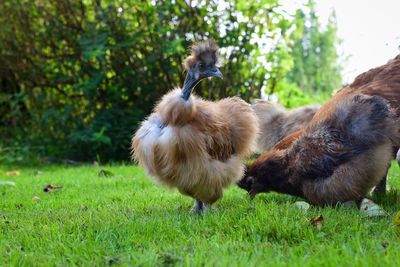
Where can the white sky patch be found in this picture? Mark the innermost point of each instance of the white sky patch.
(370, 31)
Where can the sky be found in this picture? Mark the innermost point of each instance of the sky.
(370, 31)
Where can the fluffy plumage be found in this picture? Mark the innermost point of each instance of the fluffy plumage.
(276, 122)
(344, 151)
(194, 145)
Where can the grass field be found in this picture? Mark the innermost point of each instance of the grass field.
(126, 220)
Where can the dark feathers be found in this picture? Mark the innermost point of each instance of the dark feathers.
(357, 124)
(356, 128)
(344, 151)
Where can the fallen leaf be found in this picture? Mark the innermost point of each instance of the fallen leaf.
(10, 183)
(396, 219)
(50, 187)
(105, 173)
(302, 205)
(371, 209)
(35, 198)
(13, 173)
(317, 222)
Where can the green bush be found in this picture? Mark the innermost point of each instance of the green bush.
(77, 77)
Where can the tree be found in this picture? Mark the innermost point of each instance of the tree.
(77, 77)
(316, 65)
(83, 74)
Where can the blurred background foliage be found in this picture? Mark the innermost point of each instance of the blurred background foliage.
(78, 76)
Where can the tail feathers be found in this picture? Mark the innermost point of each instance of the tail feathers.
(359, 123)
(367, 120)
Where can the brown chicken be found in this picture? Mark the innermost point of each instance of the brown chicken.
(276, 122)
(194, 145)
(344, 151)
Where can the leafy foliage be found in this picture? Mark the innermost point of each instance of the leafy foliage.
(317, 68)
(78, 76)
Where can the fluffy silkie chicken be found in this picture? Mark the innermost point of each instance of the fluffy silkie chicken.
(344, 151)
(275, 122)
(194, 145)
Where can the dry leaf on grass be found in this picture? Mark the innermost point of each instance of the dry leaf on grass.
(317, 222)
(371, 209)
(50, 187)
(13, 173)
(105, 173)
(11, 183)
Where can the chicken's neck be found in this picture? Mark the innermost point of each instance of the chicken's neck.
(188, 85)
(278, 177)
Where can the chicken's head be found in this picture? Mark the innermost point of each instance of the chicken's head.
(202, 63)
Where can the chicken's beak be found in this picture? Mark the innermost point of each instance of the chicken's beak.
(213, 72)
(194, 76)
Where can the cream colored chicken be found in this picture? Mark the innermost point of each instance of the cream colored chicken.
(194, 145)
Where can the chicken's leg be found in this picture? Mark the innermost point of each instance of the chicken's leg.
(200, 206)
(381, 187)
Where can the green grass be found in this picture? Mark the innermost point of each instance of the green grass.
(126, 220)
